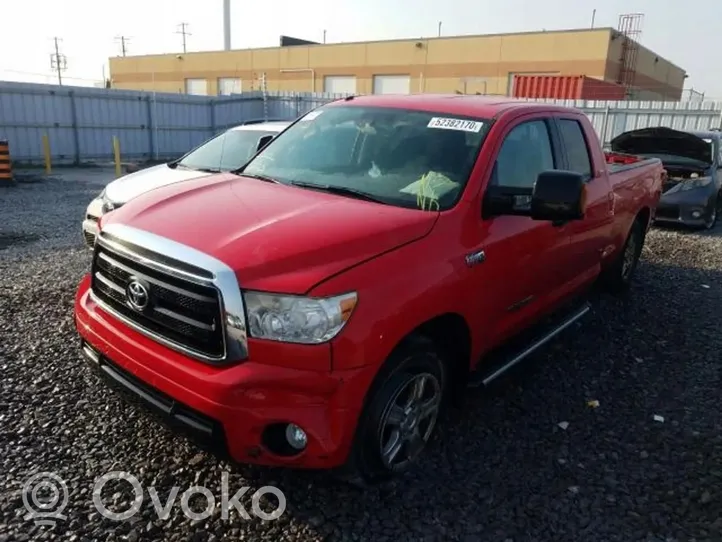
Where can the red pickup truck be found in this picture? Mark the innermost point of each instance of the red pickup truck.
(319, 307)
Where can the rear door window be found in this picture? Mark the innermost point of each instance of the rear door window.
(576, 147)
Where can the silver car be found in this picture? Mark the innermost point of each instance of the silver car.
(224, 152)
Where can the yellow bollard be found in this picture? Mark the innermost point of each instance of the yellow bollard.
(46, 153)
(116, 154)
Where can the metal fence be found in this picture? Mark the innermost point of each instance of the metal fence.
(81, 122)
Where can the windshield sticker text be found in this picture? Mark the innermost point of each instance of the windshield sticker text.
(455, 124)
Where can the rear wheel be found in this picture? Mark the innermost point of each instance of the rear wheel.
(401, 413)
(618, 277)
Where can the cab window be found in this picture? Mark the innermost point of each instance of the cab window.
(524, 154)
(576, 147)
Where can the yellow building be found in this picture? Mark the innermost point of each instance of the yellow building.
(485, 64)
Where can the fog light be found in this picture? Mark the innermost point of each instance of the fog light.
(296, 436)
(696, 214)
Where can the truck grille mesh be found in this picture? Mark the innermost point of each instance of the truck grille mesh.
(179, 311)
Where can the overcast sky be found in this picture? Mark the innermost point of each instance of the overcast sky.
(685, 32)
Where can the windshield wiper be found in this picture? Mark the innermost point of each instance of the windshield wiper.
(260, 177)
(341, 191)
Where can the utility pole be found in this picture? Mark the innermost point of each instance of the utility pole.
(58, 61)
(184, 32)
(123, 41)
(439, 28)
(324, 36)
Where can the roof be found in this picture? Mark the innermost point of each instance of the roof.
(707, 134)
(599, 29)
(272, 126)
(451, 104)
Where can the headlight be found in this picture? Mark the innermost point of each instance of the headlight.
(107, 204)
(696, 183)
(297, 319)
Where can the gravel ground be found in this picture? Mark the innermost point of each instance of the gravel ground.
(528, 460)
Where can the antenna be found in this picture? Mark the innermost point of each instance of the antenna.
(184, 32)
(123, 41)
(58, 61)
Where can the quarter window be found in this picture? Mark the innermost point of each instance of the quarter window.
(576, 147)
(525, 153)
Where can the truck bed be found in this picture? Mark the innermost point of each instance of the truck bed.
(619, 162)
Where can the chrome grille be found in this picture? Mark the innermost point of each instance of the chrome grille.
(179, 311)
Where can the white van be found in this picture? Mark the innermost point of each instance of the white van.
(224, 152)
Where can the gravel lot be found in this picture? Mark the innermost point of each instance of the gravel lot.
(505, 469)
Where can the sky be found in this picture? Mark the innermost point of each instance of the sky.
(686, 33)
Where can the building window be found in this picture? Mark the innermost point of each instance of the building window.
(228, 86)
(198, 87)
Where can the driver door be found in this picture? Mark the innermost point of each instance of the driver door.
(524, 257)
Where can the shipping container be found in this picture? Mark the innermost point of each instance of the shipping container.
(566, 87)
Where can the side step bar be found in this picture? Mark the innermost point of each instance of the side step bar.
(519, 349)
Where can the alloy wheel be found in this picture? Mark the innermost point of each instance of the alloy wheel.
(712, 219)
(409, 420)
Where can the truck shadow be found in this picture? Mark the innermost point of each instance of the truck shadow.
(506, 461)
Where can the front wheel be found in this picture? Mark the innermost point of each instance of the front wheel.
(401, 413)
(618, 277)
(713, 216)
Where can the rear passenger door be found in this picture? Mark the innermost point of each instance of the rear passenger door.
(590, 236)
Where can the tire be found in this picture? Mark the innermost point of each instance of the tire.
(713, 217)
(618, 277)
(416, 365)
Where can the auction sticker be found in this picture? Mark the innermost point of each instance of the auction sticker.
(455, 124)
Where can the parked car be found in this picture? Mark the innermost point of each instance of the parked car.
(321, 307)
(693, 189)
(224, 152)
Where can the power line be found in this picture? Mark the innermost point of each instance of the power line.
(58, 61)
(123, 41)
(45, 75)
(184, 32)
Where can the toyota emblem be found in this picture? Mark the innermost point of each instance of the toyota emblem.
(137, 295)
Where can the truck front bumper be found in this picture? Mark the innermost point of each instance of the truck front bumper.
(240, 409)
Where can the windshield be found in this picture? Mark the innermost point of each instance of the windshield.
(228, 151)
(405, 158)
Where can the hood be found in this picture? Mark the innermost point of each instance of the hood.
(132, 185)
(663, 141)
(278, 238)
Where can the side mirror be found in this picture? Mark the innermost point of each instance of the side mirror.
(558, 196)
(265, 140)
